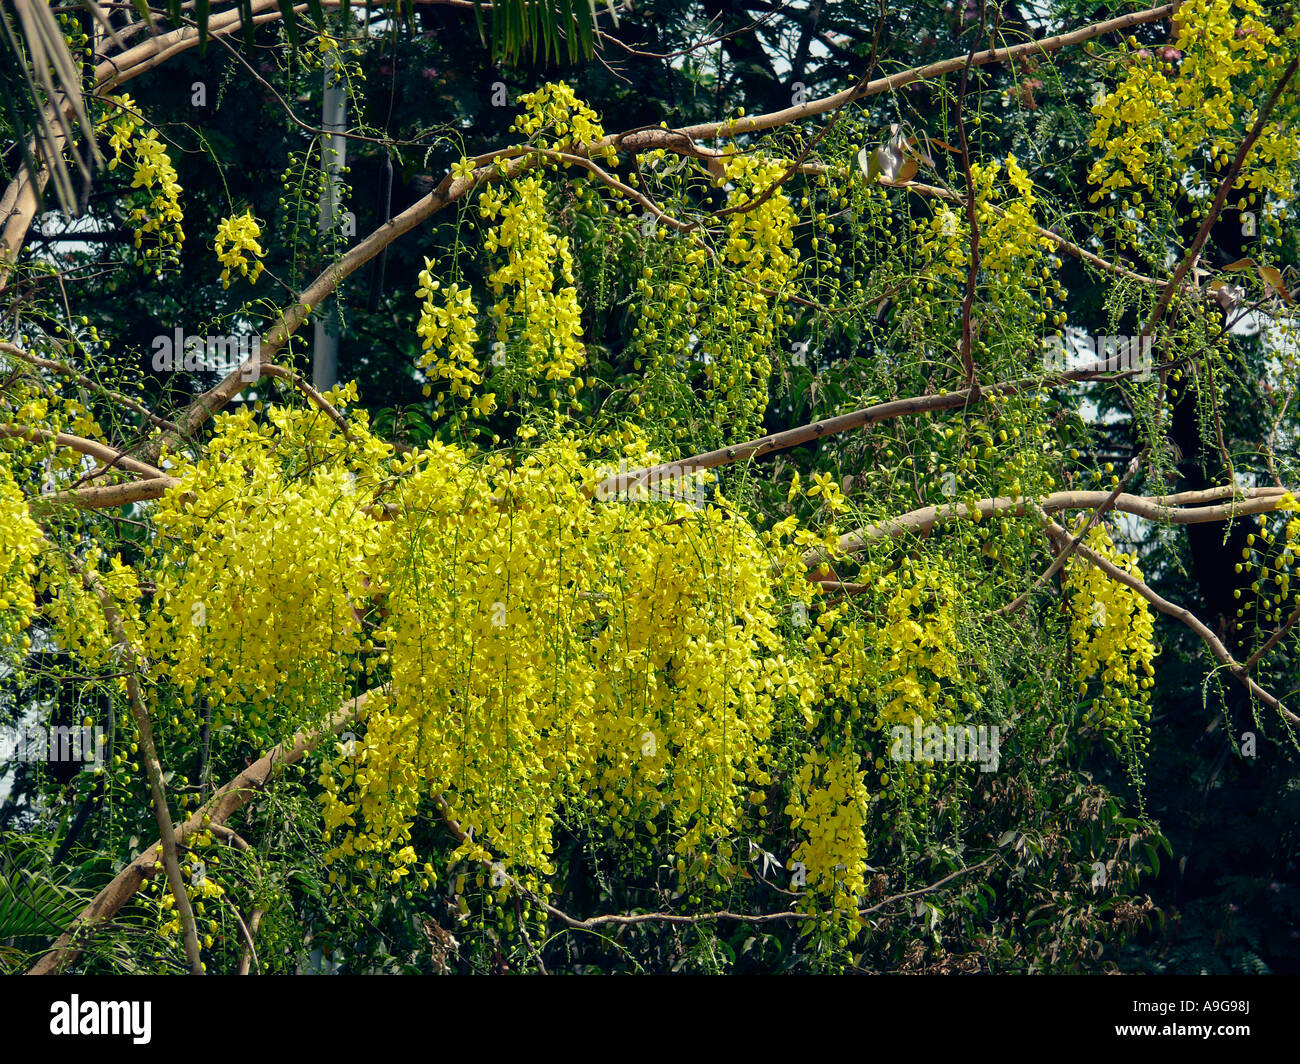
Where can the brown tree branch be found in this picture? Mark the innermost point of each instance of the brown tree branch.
(854, 419)
(153, 767)
(108, 455)
(105, 496)
(216, 810)
(682, 140)
(1186, 508)
(1181, 614)
(1063, 556)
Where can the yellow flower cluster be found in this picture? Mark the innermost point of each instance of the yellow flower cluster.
(1112, 630)
(760, 237)
(261, 567)
(1009, 237)
(763, 261)
(546, 320)
(1156, 121)
(555, 118)
(237, 239)
(830, 805)
(1015, 258)
(825, 488)
(945, 245)
(716, 308)
(122, 131)
(619, 661)
(75, 612)
(917, 641)
(448, 333)
(50, 406)
(20, 542)
(200, 889)
(161, 216)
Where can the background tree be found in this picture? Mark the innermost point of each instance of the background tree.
(719, 784)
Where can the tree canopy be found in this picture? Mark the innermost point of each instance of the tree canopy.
(807, 487)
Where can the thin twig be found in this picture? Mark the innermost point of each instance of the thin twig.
(1063, 556)
(153, 768)
(1239, 671)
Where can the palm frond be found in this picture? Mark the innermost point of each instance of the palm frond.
(40, 93)
(34, 901)
(549, 30)
(41, 82)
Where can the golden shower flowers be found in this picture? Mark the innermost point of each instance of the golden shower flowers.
(237, 240)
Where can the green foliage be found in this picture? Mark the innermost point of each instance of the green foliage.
(551, 328)
(36, 901)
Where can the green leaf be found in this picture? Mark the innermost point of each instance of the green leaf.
(32, 899)
(203, 12)
(542, 30)
(247, 24)
(290, 21)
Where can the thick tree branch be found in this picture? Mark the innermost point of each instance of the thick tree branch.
(1212, 641)
(101, 451)
(216, 810)
(153, 767)
(1186, 508)
(854, 419)
(683, 139)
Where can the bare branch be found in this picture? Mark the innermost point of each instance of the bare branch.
(216, 810)
(93, 448)
(1179, 613)
(1187, 508)
(153, 767)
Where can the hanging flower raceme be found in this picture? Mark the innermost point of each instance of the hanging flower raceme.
(161, 216)
(237, 240)
(448, 334)
(1008, 235)
(918, 645)
(556, 119)
(829, 807)
(1112, 630)
(262, 564)
(762, 265)
(75, 611)
(617, 662)
(20, 542)
(537, 308)
(1018, 272)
